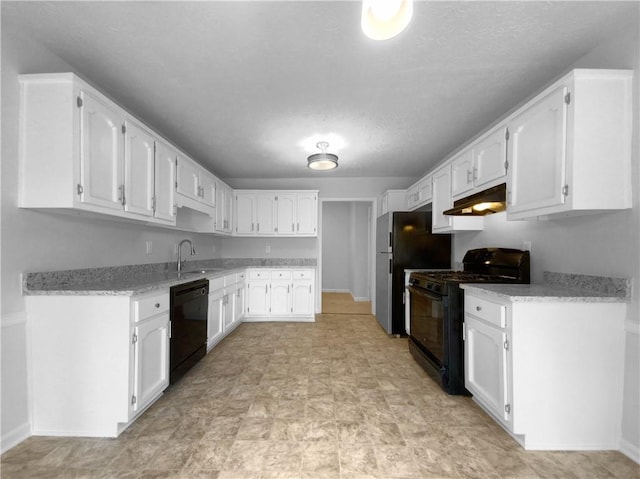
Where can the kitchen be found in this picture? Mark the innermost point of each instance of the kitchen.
(32, 240)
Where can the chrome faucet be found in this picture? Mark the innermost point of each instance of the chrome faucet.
(181, 263)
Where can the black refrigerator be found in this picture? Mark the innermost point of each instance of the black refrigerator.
(404, 241)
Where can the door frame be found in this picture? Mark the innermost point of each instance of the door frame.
(371, 242)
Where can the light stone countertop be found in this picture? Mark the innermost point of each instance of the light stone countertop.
(541, 293)
(136, 279)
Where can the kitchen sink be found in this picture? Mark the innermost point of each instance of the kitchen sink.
(202, 271)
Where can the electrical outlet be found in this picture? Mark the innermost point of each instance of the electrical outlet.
(267, 249)
(526, 245)
(149, 246)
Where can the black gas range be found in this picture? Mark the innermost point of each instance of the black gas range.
(437, 309)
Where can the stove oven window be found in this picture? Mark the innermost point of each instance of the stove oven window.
(427, 319)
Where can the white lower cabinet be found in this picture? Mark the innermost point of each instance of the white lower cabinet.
(486, 366)
(150, 360)
(549, 371)
(280, 295)
(215, 318)
(97, 361)
(226, 306)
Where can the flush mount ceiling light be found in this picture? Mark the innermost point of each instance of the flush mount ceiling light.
(322, 161)
(384, 19)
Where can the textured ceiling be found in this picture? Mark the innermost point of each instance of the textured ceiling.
(238, 85)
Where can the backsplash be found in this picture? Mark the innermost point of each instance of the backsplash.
(620, 287)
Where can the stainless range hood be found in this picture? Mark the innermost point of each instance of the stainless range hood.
(483, 203)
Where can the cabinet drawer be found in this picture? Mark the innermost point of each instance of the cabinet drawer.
(150, 306)
(216, 283)
(279, 274)
(241, 277)
(303, 274)
(489, 311)
(259, 274)
(230, 279)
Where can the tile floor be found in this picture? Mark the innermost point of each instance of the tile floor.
(332, 399)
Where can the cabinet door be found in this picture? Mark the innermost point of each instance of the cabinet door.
(307, 214)
(139, 163)
(537, 154)
(188, 175)
(425, 192)
(151, 360)
(165, 182)
(228, 303)
(412, 197)
(286, 214)
(486, 365)
(245, 206)
(239, 305)
(228, 209)
(441, 199)
(224, 203)
(215, 323)
(462, 173)
(258, 299)
(280, 298)
(302, 298)
(490, 158)
(101, 153)
(207, 188)
(266, 214)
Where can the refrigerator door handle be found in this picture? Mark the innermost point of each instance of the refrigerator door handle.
(390, 266)
(390, 239)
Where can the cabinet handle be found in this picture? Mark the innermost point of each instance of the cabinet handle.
(507, 408)
(469, 176)
(478, 308)
(251, 226)
(293, 227)
(266, 289)
(258, 228)
(298, 227)
(475, 173)
(157, 305)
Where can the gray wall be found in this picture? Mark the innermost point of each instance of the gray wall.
(336, 246)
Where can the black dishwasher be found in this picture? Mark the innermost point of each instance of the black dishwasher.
(189, 307)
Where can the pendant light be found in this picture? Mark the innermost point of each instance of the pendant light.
(384, 19)
(322, 161)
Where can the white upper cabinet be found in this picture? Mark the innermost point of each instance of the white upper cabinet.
(281, 213)
(245, 205)
(101, 158)
(165, 181)
(266, 213)
(442, 201)
(307, 214)
(224, 208)
(196, 187)
(139, 166)
(570, 147)
(462, 173)
(490, 159)
(480, 166)
(286, 213)
(420, 193)
(81, 151)
(537, 153)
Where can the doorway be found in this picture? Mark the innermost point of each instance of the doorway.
(346, 256)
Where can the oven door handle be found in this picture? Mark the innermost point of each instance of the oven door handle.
(426, 294)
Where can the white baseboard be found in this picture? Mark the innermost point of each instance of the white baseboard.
(632, 451)
(360, 298)
(15, 437)
(337, 291)
(274, 319)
